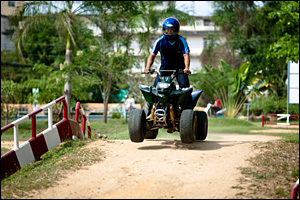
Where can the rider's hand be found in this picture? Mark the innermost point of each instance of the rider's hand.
(187, 71)
(146, 70)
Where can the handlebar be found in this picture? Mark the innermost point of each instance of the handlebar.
(180, 71)
(150, 72)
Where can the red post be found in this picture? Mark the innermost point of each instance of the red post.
(33, 126)
(77, 111)
(262, 121)
(83, 124)
(65, 109)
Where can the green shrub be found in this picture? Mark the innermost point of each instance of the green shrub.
(116, 114)
(272, 105)
(244, 112)
(294, 109)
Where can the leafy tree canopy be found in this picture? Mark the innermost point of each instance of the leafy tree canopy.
(266, 36)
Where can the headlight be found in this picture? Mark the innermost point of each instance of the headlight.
(163, 85)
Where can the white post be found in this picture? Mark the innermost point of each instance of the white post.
(50, 117)
(16, 136)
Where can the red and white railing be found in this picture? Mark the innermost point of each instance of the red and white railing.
(280, 116)
(31, 150)
(32, 115)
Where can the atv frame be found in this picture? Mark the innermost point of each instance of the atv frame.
(168, 111)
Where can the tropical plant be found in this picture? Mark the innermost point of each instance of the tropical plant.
(225, 83)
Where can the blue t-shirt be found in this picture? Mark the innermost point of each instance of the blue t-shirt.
(171, 53)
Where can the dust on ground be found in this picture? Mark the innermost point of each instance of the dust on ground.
(161, 168)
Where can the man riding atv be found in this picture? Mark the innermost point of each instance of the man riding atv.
(174, 52)
(169, 108)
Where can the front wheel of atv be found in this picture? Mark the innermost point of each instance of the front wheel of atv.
(137, 125)
(188, 126)
(202, 125)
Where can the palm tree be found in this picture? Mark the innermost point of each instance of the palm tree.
(34, 14)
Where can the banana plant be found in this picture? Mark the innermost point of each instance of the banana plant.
(225, 83)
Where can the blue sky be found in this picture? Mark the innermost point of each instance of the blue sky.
(201, 8)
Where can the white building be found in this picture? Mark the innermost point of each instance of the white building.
(7, 9)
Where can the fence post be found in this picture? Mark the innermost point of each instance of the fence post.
(50, 117)
(16, 135)
(33, 126)
(77, 111)
(83, 124)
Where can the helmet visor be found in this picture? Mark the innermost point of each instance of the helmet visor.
(169, 31)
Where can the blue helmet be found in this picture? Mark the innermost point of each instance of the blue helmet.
(171, 22)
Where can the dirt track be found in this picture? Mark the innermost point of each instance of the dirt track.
(161, 169)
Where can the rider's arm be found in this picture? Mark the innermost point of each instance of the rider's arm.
(150, 62)
(186, 57)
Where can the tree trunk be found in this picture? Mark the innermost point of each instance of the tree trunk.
(68, 83)
(106, 95)
(105, 102)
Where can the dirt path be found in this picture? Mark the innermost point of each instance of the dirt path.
(161, 169)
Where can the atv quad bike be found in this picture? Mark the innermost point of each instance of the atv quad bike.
(168, 111)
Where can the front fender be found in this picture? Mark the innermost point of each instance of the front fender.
(176, 97)
(149, 93)
(195, 96)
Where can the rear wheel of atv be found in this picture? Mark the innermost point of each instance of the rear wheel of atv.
(151, 134)
(188, 126)
(137, 125)
(202, 125)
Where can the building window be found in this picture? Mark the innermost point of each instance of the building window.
(11, 4)
(207, 22)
